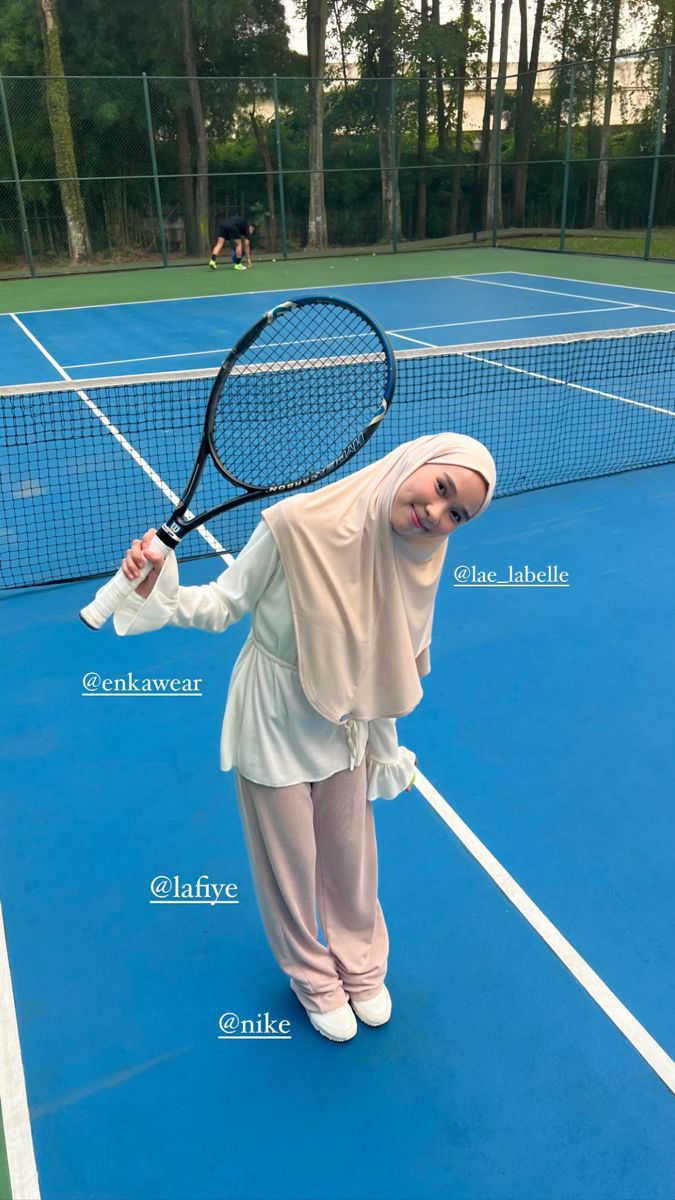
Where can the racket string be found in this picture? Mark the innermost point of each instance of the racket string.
(309, 384)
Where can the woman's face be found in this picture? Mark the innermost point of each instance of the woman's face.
(435, 499)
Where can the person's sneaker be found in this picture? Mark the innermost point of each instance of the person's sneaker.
(338, 1025)
(213, 264)
(239, 266)
(376, 1011)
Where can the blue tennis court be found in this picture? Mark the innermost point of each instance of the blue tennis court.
(173, 335)
(527, 882)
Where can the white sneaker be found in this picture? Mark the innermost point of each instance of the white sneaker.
(376, 1011)
(338, 1025)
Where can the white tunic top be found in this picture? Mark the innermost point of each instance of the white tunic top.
(271, 733)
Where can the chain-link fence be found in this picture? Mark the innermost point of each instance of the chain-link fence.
(137, 171)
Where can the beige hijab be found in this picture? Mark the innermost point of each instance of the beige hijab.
(363, 596)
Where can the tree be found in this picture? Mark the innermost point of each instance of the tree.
(261, 139)
(561, 39)
(317, 224)
(230, 44)
(380, 32)
(462, 62)
(422, 125)
(440, 94)
(62, 134)
(667, 178)
(487, 110)
(202, 190)
(193, 242)
(336, 14)
(386, 72)
(527, 78)
(494, 173)
(603, 165)
(583, 29)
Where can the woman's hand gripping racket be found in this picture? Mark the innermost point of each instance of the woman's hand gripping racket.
(296, 398)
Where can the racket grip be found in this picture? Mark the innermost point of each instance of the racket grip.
(116, 590)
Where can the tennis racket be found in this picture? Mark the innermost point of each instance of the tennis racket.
(298, 396)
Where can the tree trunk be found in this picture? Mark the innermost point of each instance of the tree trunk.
(58, 108)
(494, 173)
(666, 194)
(440, 95)
(487, 110)
(589, 143)
(563, 60)
(461, 85)
(317, 224)
(187, 182)
(603, 165)
(384, 121)
(343, 59)
(202, 189)
(422, 128)
(521, 84)
(269, 178)
(523, 135)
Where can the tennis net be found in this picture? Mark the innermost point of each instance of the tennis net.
(86, 466)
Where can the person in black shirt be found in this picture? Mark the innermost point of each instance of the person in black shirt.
(236, 231)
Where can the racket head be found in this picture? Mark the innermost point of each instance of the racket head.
(299, 394)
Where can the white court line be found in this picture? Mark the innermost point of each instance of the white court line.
(333, 337)
(625, 286)
(574, 312)
(417, 341)
(13, 1099)
(114, 362)
(629, 1026)
(328, 289)
(119, 437)
(521, 287)
(579, 387)
(324, 287)
(284, 291)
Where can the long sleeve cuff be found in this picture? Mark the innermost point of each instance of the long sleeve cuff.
(138, 615)
(388, 779)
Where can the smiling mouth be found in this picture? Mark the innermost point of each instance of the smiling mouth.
(416, 521)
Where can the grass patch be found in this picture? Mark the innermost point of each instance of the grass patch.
(629, 244)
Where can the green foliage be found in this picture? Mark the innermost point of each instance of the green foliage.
(239, 46)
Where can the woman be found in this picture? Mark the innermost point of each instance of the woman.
(341, 584)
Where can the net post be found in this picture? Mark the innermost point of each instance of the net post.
(27, 248)
(394, 171)
(280, 167)
(657, 149)
(568, 157)
(155, 176)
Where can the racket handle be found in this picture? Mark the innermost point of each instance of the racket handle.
(116, 590)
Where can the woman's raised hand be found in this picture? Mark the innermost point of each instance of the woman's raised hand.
(136, 556)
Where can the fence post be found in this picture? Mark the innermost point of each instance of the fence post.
(27, 248)
(657, 149)
(153, 157)
(394, 169)
(280, 167)
(568, 156)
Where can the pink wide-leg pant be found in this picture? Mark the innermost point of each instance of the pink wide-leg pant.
(312, 845)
